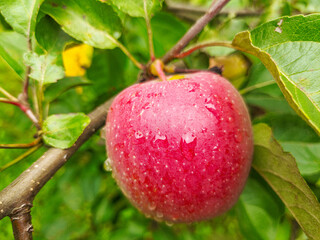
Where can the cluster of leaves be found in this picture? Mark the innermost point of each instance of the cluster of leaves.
(82, 193)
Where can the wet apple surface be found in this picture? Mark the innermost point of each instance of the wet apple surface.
(180, 150)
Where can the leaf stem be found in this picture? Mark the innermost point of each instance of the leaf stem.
(25, 94)
(21, 157)
(40, 102)
(256, 86)
(214, 9)
(35, 98)
(21, 145)
(157, 69)
(151, 47)
(8, 95)
(129, 55)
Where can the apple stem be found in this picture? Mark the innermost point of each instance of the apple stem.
(21, 157)
(22, 145)
(214, 9)
(203, 45)
(25, 109)
(158, 65)
(149, 29)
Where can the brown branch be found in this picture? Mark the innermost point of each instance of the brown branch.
(214, 9)
(25, 187)
(191, 12)
(21, 222)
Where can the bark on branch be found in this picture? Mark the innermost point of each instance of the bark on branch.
(21, 222)
(24, 188)
(192, 13)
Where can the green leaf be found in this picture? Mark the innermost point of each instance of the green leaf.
(280, 170)
(63, 130)
(119, 74)
(21, 14)
(135, 8)
(55, 90)
(268, 103)
(12, 47)
(259, 74)
(50, 36)
(258, 211)
(43, 68)
(290, 47)
(91, 22)
(288, 127)
(306, 154)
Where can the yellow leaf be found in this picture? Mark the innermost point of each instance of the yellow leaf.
(77, 59)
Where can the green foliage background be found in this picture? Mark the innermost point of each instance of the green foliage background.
(82, 201)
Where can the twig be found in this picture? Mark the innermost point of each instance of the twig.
(215, 7)
(21, 145)
(21, 157)
(203, 45)
(8, 95)
(25, 187)
(185, 10)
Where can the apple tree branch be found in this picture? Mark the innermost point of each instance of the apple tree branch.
(16, 199)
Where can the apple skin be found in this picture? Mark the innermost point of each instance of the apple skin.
(180, 150)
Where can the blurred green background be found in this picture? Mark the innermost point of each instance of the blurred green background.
(82, 201)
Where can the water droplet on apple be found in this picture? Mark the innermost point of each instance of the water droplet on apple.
(146, 106)
(211, 108)
(192, 86)
(160, 141)
(187, 145)
(107, 165)
(188, 138)
(139, 137)
(170, 224)
(159, 215)
(152, 206)
(209, 105)
(238, 137)
(138, 134)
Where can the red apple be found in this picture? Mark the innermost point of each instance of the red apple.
(180, 150)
